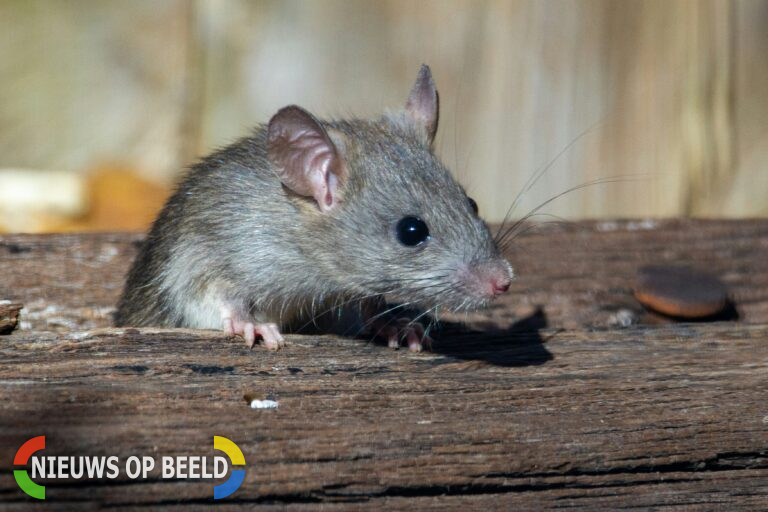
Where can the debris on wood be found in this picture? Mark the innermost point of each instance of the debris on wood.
(9, 316)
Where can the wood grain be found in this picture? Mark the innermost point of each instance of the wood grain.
(544, 402)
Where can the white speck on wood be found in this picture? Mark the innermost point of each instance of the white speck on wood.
(264, 404)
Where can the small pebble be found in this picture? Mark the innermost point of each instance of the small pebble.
(680, 291)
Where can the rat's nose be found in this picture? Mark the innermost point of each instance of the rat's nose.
(500, 285)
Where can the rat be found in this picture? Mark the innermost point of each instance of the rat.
(307, 221)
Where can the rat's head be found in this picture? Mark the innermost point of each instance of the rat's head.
(384, 215)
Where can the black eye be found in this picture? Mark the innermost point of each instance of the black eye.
(473, 205)
(412, 231)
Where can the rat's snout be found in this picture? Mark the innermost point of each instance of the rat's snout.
(488, 279)
(498, 276)
(500, 285)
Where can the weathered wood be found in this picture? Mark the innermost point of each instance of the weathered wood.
(639, 417)
(538, 410)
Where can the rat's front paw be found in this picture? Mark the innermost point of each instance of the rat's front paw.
(269, 333)
(403, 331)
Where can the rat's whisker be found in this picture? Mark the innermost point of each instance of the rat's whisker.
(501, 235)
(371, 320)
(536, 176)
(335, 306)
(504, 244)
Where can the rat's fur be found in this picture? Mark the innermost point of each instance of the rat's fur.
(233, 235)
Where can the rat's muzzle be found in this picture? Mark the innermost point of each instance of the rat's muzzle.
(486, 279)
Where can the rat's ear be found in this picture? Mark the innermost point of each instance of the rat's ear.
(305, 157)
(423, 105)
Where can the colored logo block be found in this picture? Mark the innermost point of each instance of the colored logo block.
(22, 476)
(237, 476)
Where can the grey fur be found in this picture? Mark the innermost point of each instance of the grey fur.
(232, 232)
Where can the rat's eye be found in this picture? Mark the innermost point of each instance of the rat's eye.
(412, 231)
(473, 205)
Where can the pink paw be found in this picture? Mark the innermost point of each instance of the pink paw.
(269, 333)
(406, 332)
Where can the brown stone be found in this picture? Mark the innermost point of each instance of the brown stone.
(680, 291)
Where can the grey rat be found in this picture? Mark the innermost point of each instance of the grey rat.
(305, 217)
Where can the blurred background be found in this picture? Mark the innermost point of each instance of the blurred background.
(104, 102)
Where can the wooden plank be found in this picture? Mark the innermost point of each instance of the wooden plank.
(526, 410)
(638, 417)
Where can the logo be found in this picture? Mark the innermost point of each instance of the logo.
(178, 467)
(21, 475)
(237, 476)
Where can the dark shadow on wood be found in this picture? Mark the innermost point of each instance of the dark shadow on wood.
(519, 345)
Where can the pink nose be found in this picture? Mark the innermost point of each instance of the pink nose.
(500, 286)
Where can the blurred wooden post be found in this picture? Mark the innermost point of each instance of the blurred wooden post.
(674, 91)
(708, 127)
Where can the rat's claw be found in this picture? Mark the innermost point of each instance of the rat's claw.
(413, 340)
(270, 336)
(393, 337)
(412, 333)
(249, 334)
(268, 332)
(421, 336)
